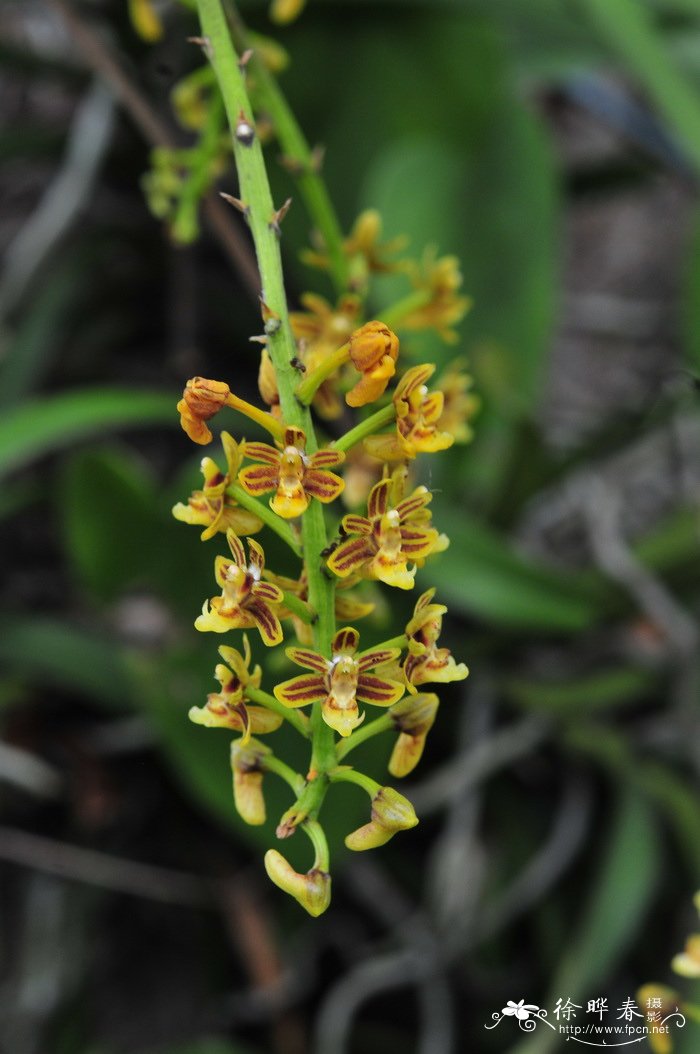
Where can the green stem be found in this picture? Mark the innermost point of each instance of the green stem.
(345, 774)
(294, 717)
(393, 642)
(299, 608)
(184, 226)
(315, 833)
(394, 315)
(312, 381)
(296, 149)
(255, 192)
(374, 728)
(366, 428)
(286, 772)
(270, 518)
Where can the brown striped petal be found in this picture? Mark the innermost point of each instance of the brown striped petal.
(377, 657)
(418, 500)
(259, 479)
(311, 660)
(262, 452)
(256, 556)
(350, 556)
(378, 501)
(267, 622)
(323, 485)
(268, 592)
(417, 542)
(327, 458)
(377, 691)
(357, 524)
(236, 547)
(299, 691)
(345, 641)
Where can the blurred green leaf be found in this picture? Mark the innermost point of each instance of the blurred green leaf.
(628, 28)
(54, 422)
(35, 340)
(50, 653)
(110, 521)
(596, 691)
(484, 577)
(621, 893)
(668, 789)
(691, 301)
(206, 1046)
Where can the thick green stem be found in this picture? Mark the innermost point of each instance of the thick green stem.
(254, 190)
(299, 157)
(374, 728)
(265, 513)
(293, 717)
(368, 427)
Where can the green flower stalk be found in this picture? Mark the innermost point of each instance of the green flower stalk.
(285, 485)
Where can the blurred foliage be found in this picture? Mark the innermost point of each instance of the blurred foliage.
(440, 116)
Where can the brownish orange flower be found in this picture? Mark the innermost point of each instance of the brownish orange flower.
(246, 601)
(373, 350)
(201, 400)
(295, 476)
(342, 681)
(383, 542)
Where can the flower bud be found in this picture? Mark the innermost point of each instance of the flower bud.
(414, 716)
(247, 764)
(391, 812)
(312, 890)
(201, 399)
(373, 349)
(204, 397)
(687, 962)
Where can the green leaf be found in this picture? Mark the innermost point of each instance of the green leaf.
(596, 691)
(36, 338)
(628, 28)
(482, 576)
(54, 422)
(110, 522)
(50, 654)
(621, 893)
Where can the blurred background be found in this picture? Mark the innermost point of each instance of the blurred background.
(555, 148)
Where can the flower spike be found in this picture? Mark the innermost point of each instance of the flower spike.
(246, 601)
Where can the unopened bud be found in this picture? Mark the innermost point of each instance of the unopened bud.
(247, 764)
(687, 962)
(370, 343)
(312, 890)
(391, 812)
(205, 398)
(414, 716)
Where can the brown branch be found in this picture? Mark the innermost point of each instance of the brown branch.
(101, 869)
(156, 132)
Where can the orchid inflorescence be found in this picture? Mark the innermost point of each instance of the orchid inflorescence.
(328, 360)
